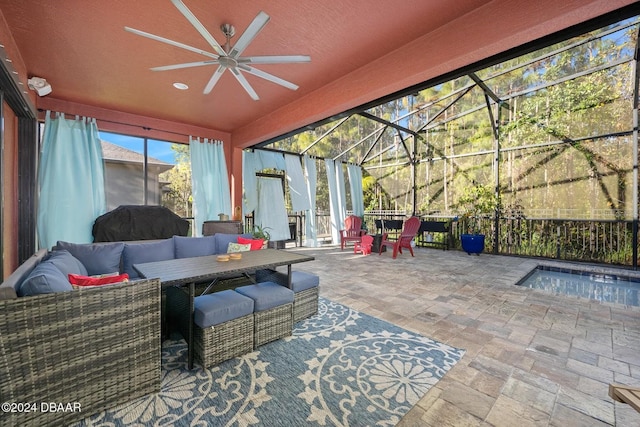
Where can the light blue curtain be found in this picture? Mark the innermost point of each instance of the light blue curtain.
(271, 212)
(297, 184)
(336, 205)
(342, 192)
(355, 183)
(250, 165)
(70, 181)
(252, 162)
(209, 180)
(311, 231)
(270, 160)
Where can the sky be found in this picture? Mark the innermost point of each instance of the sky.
(160, 150)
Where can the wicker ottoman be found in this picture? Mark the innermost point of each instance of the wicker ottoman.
(223, 327)
(273, 311)
(305, 287)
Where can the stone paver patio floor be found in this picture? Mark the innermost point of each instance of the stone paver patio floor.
(532, 358)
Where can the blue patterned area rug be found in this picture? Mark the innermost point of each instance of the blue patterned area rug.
(340, 368)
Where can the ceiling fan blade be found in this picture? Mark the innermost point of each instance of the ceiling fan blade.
(198, 26)
(269, 77)
(244, 83)
(171, 42)
(274, 59)
(249, 34)
(185, 65)
(213, 80)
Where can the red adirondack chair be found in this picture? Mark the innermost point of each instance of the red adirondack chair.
(364, 247)
(409, 231)
(352, 232)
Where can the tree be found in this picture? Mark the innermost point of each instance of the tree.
(177, 194)
(563, 113)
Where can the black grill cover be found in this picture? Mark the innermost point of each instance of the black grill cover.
(132, 222)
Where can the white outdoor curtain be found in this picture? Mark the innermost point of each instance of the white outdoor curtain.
(70, 180)
(355, 183)
(271, 213)
(252, 162)
(270, 160)
(250, 165)
(311, 231)
(342, 192)
(210, 182)
(297, 185)
(336, 206)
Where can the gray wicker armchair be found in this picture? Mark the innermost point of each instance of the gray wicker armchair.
(99, 347)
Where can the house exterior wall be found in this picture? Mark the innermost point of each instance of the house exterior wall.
(124, 185)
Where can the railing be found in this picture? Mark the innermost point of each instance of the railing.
(371, 217)
(296, 227)
(323, 222)
(323, 226)
(600, 241)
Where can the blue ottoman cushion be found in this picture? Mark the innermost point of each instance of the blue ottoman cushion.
(300, 280)
(220, 307)
(267, 295)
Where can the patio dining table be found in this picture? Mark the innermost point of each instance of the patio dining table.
(189, 271)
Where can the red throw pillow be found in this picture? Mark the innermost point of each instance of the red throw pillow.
(255, 243)
(78, 280)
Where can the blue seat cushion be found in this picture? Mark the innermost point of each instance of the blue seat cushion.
(45, 278)
(267, 295)
(189, 247)
(97, 258)
(139, 253)
(300, 280)
(220, 307)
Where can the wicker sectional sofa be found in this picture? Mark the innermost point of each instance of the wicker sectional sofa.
(83, 351)
(88, 349)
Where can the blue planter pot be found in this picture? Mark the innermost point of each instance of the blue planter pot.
(472, 243)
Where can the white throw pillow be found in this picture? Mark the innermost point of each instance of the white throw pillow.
(238, 247)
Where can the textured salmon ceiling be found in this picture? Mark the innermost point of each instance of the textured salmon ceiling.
(360, 50)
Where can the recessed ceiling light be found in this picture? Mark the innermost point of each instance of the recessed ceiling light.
(180, 86)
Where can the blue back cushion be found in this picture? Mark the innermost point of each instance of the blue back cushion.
(97, 258)
(139, 253)
(223, 240)
(44, 279)
(66, 263)
(188, 247)
(22, 272)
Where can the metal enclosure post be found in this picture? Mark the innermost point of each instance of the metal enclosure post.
(414, 174)
(145, 171)
(496, 172)
(635, 155)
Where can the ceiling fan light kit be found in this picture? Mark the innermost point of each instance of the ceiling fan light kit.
(227, 57)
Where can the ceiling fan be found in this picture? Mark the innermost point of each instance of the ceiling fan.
(227, 57)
